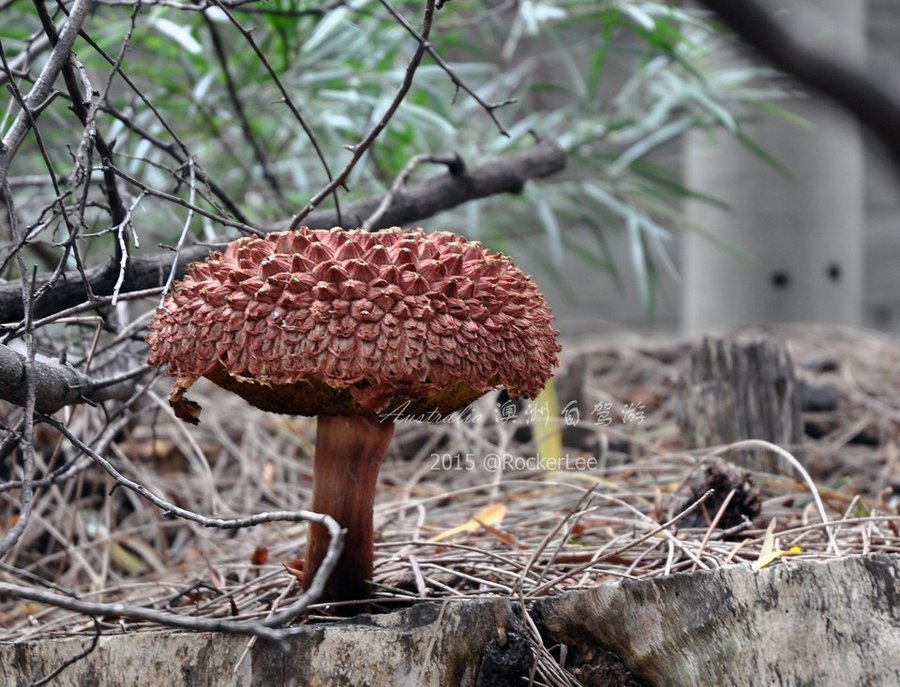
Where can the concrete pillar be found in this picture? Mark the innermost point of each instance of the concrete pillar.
(802, 236)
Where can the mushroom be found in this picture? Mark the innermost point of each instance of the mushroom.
(358, 328)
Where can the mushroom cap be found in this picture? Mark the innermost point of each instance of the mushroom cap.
(335, 322)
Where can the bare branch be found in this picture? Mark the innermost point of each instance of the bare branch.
(245, 6)
(360, 148)
(86, 114)
(72, 660)
(177, 148)
(27, 387)
(56, 386)
(33, 49)
(177, 200)
(455, 166)
(15, 330)
(490, 108)
(141, 613)
(263, 628)
(259, 151)
(422, 200)
(184, 230)
(284, 94)
(44, 83)
(413, 203)
(852, 88)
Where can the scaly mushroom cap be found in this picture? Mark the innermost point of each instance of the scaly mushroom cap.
(334, 322)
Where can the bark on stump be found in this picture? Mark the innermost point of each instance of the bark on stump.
(798, 623)
(735, 390)
(429, 645)
(801, 623)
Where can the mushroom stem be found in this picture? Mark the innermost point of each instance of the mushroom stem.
(349, 451)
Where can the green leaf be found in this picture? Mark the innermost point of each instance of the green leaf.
(644, 269)
(599, 62)
(649, 143)
(763, 154)
(332, 22)
(551, 228)
(178, 33)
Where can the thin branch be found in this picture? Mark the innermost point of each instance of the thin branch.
(798, 466)
(413, 203)
(622, 549)
(19, 62)
(455, 166)
(72, 660)
(141, 613)
(180, 201)
(70, 246)
(507, 174)
(27, 386)
(184, 230)
(115, 423)
(43, 84)
(256, 146)
(86, 114)
(360, 149)
(55, 386)
(15, 330)
(122, 252)
(177, 149)
(264, 628)
(287, 98)
(853, 88)
(490, 108)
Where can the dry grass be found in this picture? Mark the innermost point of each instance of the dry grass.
(562, 529)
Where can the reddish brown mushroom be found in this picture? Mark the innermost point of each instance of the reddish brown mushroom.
(355, 327)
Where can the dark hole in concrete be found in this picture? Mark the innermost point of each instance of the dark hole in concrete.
(834, 271)
(780, 279)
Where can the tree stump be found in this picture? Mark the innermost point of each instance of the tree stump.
(454, 644)
(798, 623)
(735, 390)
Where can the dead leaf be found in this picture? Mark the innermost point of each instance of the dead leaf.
(490, 515)
(184, 409)
(260, 555)
(769, 553)
(502, 536)
(295, 568)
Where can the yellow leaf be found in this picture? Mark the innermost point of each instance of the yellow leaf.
(133, 555)
(125, 560)
(547, 434)
(489, 515)
(769, 553)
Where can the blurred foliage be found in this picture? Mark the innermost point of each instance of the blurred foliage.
(617, 82)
